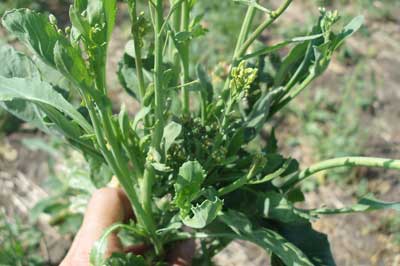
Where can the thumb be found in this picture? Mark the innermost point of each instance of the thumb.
(106, 207)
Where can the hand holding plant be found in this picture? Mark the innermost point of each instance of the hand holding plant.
(192, 156)
(109, 206)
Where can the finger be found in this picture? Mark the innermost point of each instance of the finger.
(182, 254)
(106, 207)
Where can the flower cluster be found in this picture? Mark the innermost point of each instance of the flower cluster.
(241, 79)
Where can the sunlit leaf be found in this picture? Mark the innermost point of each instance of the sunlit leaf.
(39, 92)
(204, 213)
(191, 176)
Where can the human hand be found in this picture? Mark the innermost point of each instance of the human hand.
(106, 207)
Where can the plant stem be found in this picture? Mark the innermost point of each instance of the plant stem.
(176, 23)
(185, 85)
(158, 75)
(244, 31)
(288, 183)
(244, 41)
(137, 48)
(274, 15)
(149, 176)
(125, 182)
(239, 182)
(177, 16)
(112, 151)
(242, 44)
(138, 56)
(185, 57)
(122, 174)
(146, 187)
(233, 186)
(278, 106)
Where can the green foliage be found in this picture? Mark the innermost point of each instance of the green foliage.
(19, 244)
(125, 260)
(8, 123)
(8, 4)
(192, 155)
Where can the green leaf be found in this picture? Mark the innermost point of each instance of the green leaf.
(315, 245)
(171, 133)
(204, 213)
(236, 142)
(39, 92)
(69, 61)
(353, 26)
(98, 24)
(182, 36)
(127, 72)
(110, 12)
(273, 48)
(323, 53)
(123, 121)
(268, 177)
(123, 259)
(278, 208)
(100, 246)
(61, 123)
(293, 224)
(80, 5)
(52, 75)
(78, 21)
(272, 143)
(141, 115)
(100, 172)
(290, 64)
(16, 65)
(33, 29)
(95, 12)
(36, 31)
(268, 239)
(207, 90)
(188, 185)
(259, 114)
(367, 203)
(26, 112)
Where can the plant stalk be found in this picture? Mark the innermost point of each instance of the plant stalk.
(274, 15)
(185, 58)
(146, 187)
(149, 175)
(137, 48)
(124, 180)
(242, 181)
(278, 106)
(245, 30)
(355, 161)
(158, 75)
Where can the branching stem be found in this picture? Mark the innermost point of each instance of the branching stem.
(274, 15)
